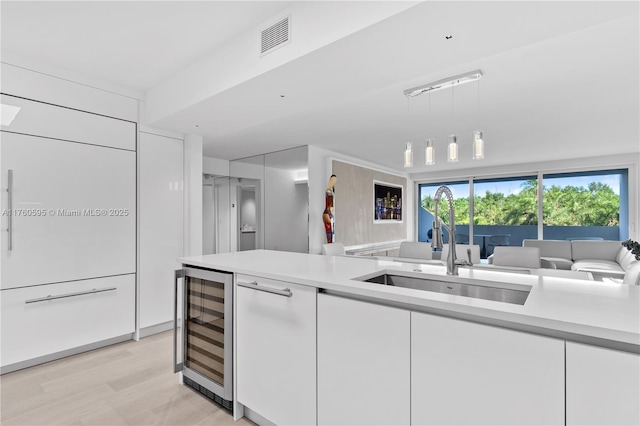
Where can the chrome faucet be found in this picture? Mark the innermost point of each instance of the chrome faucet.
(452, 262)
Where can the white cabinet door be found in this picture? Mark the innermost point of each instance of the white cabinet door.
(42, 320)
(603, 386)
(160, 180)
(76, 205)
(363, 363)
(276, 350)
(56, 122)
(466, 373)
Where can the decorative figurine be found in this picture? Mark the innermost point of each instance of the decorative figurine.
(327, 215)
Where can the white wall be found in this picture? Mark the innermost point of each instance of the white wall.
(248, 207)
(208, 218)
(215, 166)
(193, 195)
(286, 205)
(222, 213)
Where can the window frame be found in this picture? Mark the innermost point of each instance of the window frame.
(628, 170)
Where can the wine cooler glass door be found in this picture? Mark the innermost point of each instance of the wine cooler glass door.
(208, 329)
(205, 328)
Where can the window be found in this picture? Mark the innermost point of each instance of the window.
(586, 205)
(505, 211)
(460, 192)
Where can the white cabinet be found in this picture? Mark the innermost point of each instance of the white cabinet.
(603, 386)
(468, 373)
(43, 320)
(363, 363)
(276, 349)
(68, 181)
(55, 122)
(160, 174)
(78, 211)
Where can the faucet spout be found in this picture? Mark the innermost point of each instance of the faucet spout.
(452, 265)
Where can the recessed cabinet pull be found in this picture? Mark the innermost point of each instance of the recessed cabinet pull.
(10, 207)
(286, 292)
(63, 296)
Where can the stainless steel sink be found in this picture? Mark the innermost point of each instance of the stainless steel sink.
(483, 290)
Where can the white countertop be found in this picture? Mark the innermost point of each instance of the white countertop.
(592, 312)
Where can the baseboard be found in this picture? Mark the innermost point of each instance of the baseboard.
(63, 354)
(155, 329)
(256, 418)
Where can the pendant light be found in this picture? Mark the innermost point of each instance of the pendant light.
(452, 149)
(408, 155)
(429, 153)
(478, 142)
(429, 150)
(478, 145)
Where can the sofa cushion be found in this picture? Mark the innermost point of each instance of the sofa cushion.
(415, 250)
(596, 265)
(600, 250)
(625, 258)
(558, 249)
(632, 275)
(524, 257)
(561, 263)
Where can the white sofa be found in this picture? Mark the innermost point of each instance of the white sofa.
(555, 251)
(603, 258)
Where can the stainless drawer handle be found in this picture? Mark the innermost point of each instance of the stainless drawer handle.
(177, 366)
(62, 296)
(254, 285)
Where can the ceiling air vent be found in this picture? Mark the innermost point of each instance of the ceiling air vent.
(275, 36)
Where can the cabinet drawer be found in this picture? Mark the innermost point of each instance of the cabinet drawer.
(43, 320)
(52, 121)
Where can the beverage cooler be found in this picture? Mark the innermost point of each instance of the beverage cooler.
(203, 332)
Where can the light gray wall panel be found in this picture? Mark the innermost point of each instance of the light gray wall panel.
(354, 206)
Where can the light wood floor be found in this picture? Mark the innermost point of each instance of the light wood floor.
(131, 383)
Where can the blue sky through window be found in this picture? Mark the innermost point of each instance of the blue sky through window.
(461, 190)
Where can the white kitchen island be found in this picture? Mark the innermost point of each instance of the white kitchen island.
(327, 348)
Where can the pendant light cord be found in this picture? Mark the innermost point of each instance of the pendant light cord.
(452, 86)
(428, 110)
(478, 118)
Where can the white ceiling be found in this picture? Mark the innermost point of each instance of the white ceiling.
(137, 44)
(561, 78)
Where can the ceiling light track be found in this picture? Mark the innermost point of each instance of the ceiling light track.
(444, 83)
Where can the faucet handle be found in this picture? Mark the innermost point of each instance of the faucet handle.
(465, 262)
